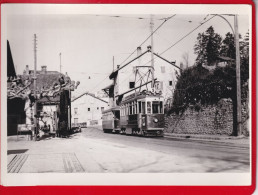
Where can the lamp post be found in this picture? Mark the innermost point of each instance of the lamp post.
(238, 76)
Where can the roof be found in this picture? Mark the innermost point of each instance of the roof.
(49, 100)
(141, 95)
(10, 65)
(46, 80)
(108, 87)
(117, 108)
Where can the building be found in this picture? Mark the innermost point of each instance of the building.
(164, 72)
(52, 110)
(88, 109)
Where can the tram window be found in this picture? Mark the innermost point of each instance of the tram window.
(136, 111)
(143, 108)
(148, 107)
(117, 115)
(161, 107)
(130, 109)
(133, 108)
(155, 107)
(139, 106)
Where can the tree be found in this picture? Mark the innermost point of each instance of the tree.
(197, 85)
(207, 47)
(228, 48)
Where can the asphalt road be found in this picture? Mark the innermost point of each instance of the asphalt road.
(92, 151)
(173, 154)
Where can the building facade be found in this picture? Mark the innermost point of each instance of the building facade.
(132, 75)
(88, 109)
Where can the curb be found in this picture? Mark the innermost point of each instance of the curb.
(207, 137)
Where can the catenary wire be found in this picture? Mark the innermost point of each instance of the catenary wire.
(184, 37)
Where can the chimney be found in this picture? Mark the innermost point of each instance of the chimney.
(139, 52)
(182, 65)
(27, 71)
(44, 69)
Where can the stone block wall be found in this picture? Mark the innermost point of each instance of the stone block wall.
(212, 119)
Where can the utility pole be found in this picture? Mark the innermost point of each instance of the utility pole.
(60, 62)
(35, 85)
(238, 79)
(152, 56)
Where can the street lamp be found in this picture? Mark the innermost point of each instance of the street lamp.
(238, 77)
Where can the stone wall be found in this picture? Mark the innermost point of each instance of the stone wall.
(216, 120)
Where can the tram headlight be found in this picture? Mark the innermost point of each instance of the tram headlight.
(155, 120)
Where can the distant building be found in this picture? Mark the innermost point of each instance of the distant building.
(88, 108)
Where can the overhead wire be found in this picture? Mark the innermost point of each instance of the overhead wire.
(120, 16)
(184, 36)
(165, 20)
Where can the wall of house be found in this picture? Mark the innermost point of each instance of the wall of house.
(164, 72)
(216, 120)
(88, 109)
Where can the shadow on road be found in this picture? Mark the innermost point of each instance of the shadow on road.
(16, 151)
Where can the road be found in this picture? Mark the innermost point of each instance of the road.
(93, 151)
(171, 154)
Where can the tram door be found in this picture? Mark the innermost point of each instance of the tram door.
(116, 119)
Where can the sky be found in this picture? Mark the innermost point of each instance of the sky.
(89, 41)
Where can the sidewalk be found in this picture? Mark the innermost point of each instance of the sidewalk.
(218, 138)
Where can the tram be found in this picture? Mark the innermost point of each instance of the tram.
(138, 114)
(142, 114)
(111, 120)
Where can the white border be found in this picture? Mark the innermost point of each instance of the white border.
(222, 179)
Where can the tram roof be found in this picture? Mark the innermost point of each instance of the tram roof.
(133, 97)
(116, 108)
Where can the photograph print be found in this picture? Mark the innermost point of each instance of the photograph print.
(152, 91)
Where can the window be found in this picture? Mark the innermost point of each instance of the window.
(135, 104)
(139, 106)
(163, 70)
(131, 85)
(148, 107)
(155, 107)
(133, 112)
(143, 108)
(170, 83)
(102, 108)
(130, 108)
(88, 109)
(75, 110)
(75, 120)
